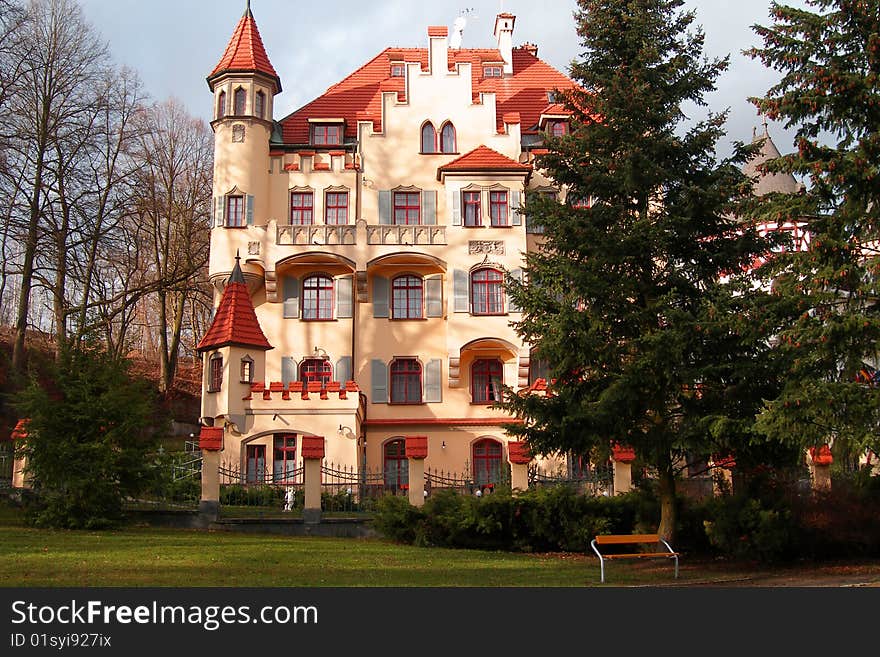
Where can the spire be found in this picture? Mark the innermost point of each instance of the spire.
(236, 276)
(235, 322)
(245, 52)
(783, 183)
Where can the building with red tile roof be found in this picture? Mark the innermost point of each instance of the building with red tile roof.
(377, 225)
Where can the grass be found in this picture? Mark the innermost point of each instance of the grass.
(140, 556)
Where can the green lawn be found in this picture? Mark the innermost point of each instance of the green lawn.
(173, 557)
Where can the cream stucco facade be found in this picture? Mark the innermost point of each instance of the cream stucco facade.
(375, 266)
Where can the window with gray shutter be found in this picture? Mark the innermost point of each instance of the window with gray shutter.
(429, 207)
(250, 210)
(455, 204)
(290, 289)
(378, 382)
(433, 389)
(515, 274)
(385, 207)
(461, 302)
(380, 296)
(434, 296)
(514, 208)
(221, 210)
(344, 307)
(288, 370)
(343, 370)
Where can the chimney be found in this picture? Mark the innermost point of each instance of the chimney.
(504, 36)
(438, 49)
(530, 48)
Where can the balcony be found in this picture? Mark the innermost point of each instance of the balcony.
(318, 234)
(407, 235)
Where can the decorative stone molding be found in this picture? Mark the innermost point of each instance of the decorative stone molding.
(454, 371)
(523, 373)
(254, 248)
(489, 247)
(271, 286)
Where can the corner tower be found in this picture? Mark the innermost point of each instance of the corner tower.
(244, 84)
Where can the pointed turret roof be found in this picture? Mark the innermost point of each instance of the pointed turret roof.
(235, 322)
(783, 183)
(245, 52)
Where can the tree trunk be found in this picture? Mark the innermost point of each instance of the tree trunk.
(666, 493)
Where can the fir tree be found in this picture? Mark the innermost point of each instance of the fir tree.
(827, 297)
(90, 428)
(636, 302)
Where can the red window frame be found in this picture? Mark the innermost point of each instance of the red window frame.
(221, 105)
(486, 377)
(259, 104)
(326, 134)
(255, 464)
(447, 138)
(406, 381)
(471, 208)
(316, 369)
(395, 464)
(302, 208)
(557, 128)
(284, 454)
(336, 208)
(498, 212)
(407, 209)
(407, 297)
(487, 292)
(486, 457)
(235, 211)
(428, 138)
(239, 101)
(317, 298)
(215, 381)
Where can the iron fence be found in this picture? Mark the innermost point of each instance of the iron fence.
(596, 480)
(261, 492)
(354, 490)
(173, 482)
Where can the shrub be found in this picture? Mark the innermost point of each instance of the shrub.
(748, 528)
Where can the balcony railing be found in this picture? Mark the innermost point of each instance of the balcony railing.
(318, 234)
(406, 235)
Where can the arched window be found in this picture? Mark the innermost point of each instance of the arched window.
(486, 377)
(396, 464)
(239, 101)
(447, 138)
(317, 296)
(429, 138)
(486, 458)
(406, 381)
(406, 297)
(260, 105)
(316, 369)
(221, 105)
(487, 292)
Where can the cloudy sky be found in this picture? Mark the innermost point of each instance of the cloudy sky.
(174, 44)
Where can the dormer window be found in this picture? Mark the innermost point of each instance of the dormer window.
(551, 97)
(398, 70)
(239, 101)
(493, 71)
(260, 105)
(326, 134)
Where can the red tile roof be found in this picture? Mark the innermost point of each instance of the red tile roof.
(235, 322)
(245, 52)
(359, 96)
(438, 31)
(484, 158)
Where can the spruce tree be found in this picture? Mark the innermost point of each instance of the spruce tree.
(826, 296)
(637, 303)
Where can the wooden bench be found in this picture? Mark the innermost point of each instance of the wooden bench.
(633, 539)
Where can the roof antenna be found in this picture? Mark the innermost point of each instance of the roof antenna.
(458, 28)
